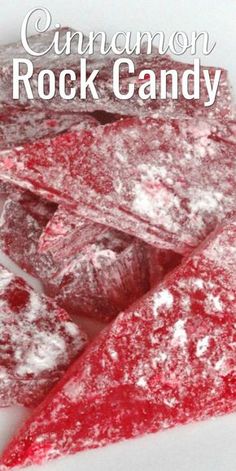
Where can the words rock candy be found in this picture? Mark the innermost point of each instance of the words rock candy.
(38, 342)
(102, 94)
(144, 372)
(167, 182)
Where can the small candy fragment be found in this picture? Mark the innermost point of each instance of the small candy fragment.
(107, 100)
(168, 182)
(144, 372)
(20, 127)
(38, 342)
(98, 280)
(104, 271)
(66, 234)
(26, 215)
(105, 278)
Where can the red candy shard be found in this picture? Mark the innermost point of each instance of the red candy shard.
(26, 215)
(66, 233)
(104, 270)
(19, 127)
(38, 342)
(107, 100)
(99, 280)
(105, 278)
(144, 372)
(168, 182)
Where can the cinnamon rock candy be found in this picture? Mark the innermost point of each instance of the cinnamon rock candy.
(168, 182)
(107, 100)
(66, 233)
(38, 342)
(98, 279)
(144, 372)
(18, 127)
(26, 215)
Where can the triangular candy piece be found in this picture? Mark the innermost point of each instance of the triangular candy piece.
(170, 359)
(168, 182)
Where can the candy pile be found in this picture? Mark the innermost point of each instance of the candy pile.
(126, 213)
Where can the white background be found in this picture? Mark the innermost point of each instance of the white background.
(208, 446)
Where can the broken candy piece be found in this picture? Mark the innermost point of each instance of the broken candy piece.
(66, 234)
(107, 100)
(110, 274)
(19, 127)
(168, 182)
(179, 187)
(26, 216)
(101, 271)
(105, 278)
(144, 372)
(161, 262)
(38, 342)
(98, 281)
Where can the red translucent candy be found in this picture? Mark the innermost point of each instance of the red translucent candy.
(105, 278)
(170, 359)
(107, 100)
(38, 342)
(168, 182)
(26, 215)
(102, 271)
(96, 278)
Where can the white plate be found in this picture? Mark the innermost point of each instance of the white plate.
(206, 446)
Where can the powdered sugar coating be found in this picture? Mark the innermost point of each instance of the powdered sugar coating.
(176, 179)
(18, 127)
(26, 215)
(38, 342)
(145, 371)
